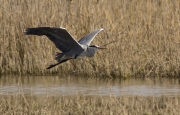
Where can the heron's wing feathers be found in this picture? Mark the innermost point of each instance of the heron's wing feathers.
(89, 37)
(59, 36)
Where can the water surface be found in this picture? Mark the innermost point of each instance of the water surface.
(72, 85)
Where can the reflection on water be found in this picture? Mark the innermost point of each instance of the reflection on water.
(56, 85)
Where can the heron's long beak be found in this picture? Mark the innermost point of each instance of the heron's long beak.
(102, 48)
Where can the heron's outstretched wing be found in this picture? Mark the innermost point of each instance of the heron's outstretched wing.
(59, 36)
(89, 37)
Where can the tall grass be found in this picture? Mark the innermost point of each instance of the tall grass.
(147, 34)
(80, 105)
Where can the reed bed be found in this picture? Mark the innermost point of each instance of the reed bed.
(81, 105)
(146, 34)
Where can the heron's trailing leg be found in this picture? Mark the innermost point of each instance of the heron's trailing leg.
(53, 65)
(60, 57)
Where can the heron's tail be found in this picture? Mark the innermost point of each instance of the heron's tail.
(59, 56)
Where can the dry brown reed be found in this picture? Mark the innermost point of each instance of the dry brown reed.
(81, 105)
(147, 34)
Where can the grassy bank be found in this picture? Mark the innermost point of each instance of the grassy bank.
(78, 105)
(147, 34)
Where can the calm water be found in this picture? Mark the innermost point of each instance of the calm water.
(55, 85)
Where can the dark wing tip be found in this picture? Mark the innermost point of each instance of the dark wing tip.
(26, 31)
(41, 30)
(29, 31)
(36, 31)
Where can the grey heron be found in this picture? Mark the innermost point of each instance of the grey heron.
(69, 47)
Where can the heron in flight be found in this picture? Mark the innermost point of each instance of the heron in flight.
(69, 47)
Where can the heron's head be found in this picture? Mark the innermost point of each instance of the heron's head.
(96, 47)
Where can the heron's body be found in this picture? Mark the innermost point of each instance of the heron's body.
(88, 51)
(70, 48)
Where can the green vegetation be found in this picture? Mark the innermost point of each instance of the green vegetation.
(147, 34)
